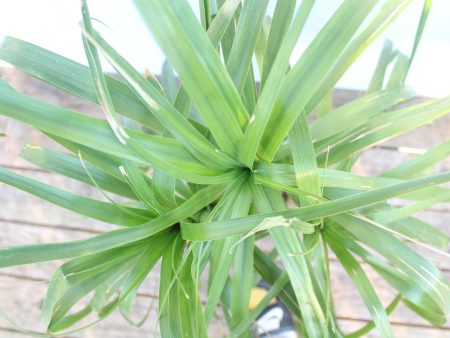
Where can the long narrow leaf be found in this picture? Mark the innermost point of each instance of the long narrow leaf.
(102, 211)
(73, 77)
(26, 254)
(220, 229)
(329, 43)
(217, 101)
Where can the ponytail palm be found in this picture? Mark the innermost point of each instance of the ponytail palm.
(206, 169)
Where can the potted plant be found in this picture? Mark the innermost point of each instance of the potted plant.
(215, 164)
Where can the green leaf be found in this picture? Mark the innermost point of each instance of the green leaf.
(102, 211)
(394, 214)
(258, 121)
(209, 86)
(377, 80)
(287, 243)
(242, 281)
(101, 88)
(27, 254)
(414, 297)
(416, 165)
(70, 166)
(183, 295)
(304, 157)
(422, 273)
(166, 153)
(138, 183)
(282, 17)
(385, 126)
(261, 43)
(73, 77)
(357, 112)
(163, 110)
(247, 30)
(169, 310)
(325, 106)
(369, 326)
(270, 272)
(237, 204)
(364, 287)
(106, 162)
(221, 21)
(205, 13)
(111, 164)
(399, 72)
(212, 162)
(80, 269)
(246, 321)
(285, 174)
(140, 270)
(422, 22)
(383, 18)
(77, 292)
(194, 325)
(221, 229)
(308, 73)
(215, 33)
(169, 81)
(164, 188)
